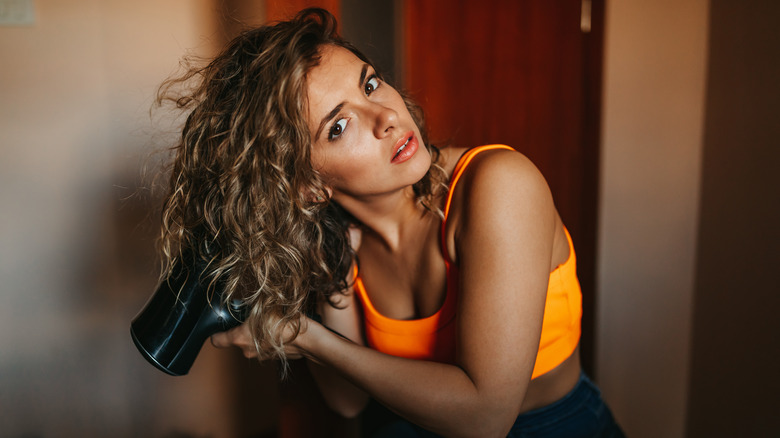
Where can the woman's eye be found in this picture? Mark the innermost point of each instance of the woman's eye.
(337, 129)
(371, 85)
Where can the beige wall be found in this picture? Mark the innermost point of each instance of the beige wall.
(75, 92)
(653, 112)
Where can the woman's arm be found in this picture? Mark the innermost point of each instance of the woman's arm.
(340, 395)
(503, 241)
(346, 319)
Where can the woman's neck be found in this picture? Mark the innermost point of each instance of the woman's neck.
(392, 218)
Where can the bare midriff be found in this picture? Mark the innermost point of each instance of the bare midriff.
(554, 384)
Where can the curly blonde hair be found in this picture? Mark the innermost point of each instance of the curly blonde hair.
(243, 195)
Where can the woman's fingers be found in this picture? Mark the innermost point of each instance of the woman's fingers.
(236, 337)
(220, 340)
(241, 337)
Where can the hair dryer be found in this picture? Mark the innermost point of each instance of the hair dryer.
(181, 314)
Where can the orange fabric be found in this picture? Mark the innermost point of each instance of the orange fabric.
(433, 338)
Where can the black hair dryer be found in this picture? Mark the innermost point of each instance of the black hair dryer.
(173, 325)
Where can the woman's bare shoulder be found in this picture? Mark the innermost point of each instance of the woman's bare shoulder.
(491, 160)
(500, 170)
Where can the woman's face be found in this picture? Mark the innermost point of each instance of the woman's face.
(365, 142)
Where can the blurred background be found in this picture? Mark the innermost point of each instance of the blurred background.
(656, 124)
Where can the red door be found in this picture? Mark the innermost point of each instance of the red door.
(525, 73)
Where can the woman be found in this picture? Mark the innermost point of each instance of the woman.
(444, 279)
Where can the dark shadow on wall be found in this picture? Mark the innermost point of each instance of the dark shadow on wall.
(734, 384)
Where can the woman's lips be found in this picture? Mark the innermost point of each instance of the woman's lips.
(405, 148)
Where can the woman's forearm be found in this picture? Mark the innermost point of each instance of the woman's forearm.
(436, 396)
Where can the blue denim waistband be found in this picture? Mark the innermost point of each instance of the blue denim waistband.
(581, 412)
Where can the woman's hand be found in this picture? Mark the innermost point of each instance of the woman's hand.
(241, 337)
(236, 337)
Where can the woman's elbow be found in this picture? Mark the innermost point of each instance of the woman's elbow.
(487, 430)
(496, 422)
(496, 430)
(347, 408)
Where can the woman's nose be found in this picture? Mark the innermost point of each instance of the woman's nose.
(385, 119)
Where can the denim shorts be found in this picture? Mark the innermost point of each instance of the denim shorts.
(579, 414)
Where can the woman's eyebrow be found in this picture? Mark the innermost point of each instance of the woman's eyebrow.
(334, 112)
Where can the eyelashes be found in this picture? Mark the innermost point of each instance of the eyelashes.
(338, 127)
(371, 84)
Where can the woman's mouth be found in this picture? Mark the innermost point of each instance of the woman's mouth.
(405, 150)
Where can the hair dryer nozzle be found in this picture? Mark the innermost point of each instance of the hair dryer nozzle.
(181, 314)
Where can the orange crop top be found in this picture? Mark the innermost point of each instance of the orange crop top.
(433, 338)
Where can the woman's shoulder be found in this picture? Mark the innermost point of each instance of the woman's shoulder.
(491, 164)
